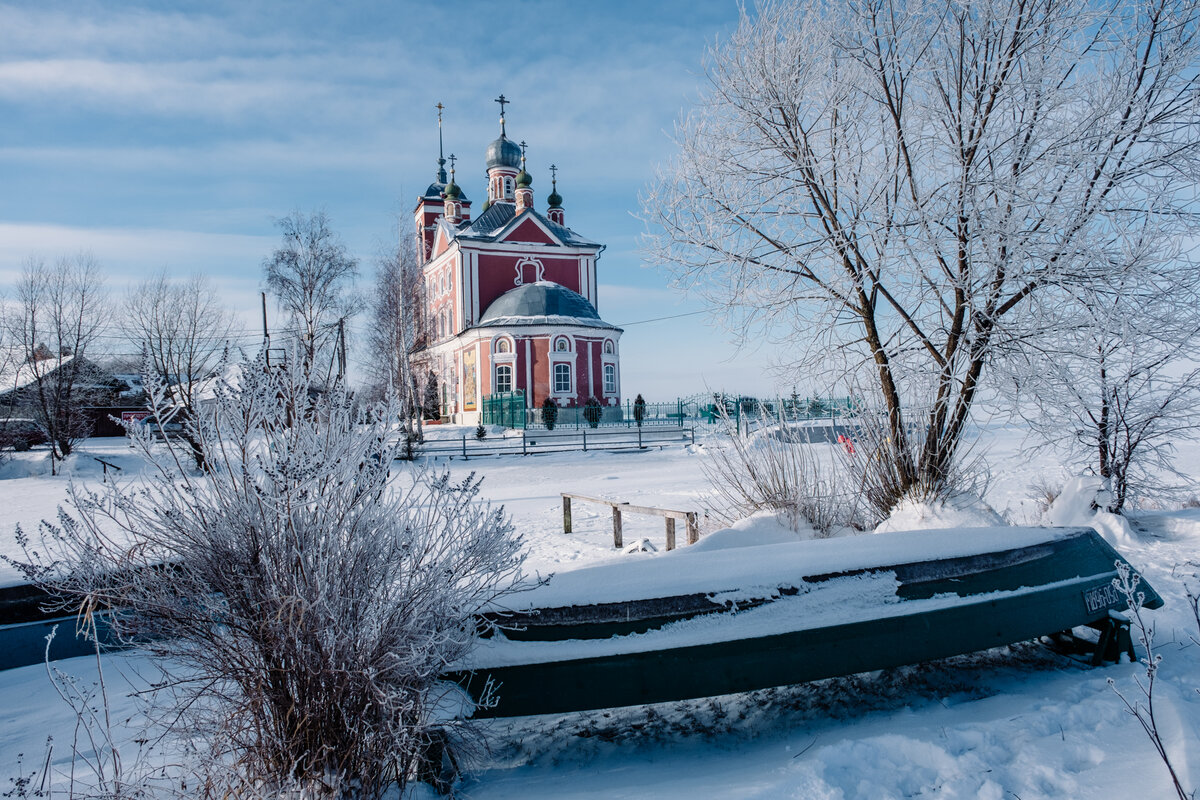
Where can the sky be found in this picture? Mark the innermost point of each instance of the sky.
(172, 135)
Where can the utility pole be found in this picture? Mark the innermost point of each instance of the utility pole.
(266, 334)
(342, 350)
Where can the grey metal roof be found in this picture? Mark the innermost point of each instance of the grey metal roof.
(488, 225)
(496, 217)
(542, 303)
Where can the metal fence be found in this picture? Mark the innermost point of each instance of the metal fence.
(508, 409)
(532, 442)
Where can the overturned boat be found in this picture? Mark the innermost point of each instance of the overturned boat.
(715, 619)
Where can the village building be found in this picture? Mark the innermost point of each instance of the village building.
(511, 299)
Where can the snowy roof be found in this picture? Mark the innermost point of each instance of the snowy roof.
(542, 303)
(23, 374)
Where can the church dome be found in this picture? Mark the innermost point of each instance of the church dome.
(536, 301)
(503, 152)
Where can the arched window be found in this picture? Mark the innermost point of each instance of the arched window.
(562, 378)
(610, 379)
(508, 187)
(608, 347)
(504, 378)
(561, 345)
(503, 346)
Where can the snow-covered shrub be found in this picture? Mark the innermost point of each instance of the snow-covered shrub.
(766, 471)
(302, 607)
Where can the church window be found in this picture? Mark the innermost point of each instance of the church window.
(504, 378)
(561, 345)
(562, 378)
(610, 379)
(508, 187)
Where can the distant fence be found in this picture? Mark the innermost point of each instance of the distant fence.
(532, 442)
(508, 409)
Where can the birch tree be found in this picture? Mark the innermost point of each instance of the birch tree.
(311, 275)
(399, 329)
(903, 187)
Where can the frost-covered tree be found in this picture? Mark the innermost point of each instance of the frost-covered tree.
(1117, 384)
(182, 329)
(301, 605)
(398, 326)
(56, 326)
(897, 187)
(311, 275)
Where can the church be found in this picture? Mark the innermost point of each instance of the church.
(510, 296)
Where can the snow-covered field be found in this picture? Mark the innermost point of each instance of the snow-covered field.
(1018, 722)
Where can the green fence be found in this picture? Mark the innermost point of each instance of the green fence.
(509, 410)
(506, 409)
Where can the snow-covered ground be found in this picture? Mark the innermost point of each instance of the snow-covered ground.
(1017, 722)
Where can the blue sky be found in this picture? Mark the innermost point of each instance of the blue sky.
(170, 135)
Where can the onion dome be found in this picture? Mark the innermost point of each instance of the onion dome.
(452, 192)
(503, 152)
(524, 178)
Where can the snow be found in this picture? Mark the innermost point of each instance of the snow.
(1020, 721)
(960, 511)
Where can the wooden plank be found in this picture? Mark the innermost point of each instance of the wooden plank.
(670, 533)
(693, 530)
(566, 513)
(617, 540)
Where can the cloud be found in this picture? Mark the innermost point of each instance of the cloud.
(129, 253)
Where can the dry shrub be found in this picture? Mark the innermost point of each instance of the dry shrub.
(773, 470)
(307, 606)
(885, 471)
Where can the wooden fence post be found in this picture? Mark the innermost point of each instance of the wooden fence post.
(617, 540)
(566, 514)
(670, 533)
(693, 531)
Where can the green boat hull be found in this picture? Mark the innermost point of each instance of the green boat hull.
(997, 599)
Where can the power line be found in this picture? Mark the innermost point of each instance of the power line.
(660, 319)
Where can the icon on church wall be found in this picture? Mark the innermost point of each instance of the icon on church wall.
(469, 383)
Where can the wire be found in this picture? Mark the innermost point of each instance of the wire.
(660, 319)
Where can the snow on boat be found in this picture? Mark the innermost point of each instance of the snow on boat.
(703, 621)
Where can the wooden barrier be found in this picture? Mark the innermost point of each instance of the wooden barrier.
(618, 508)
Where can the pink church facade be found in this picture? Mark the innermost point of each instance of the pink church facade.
(511, 297)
